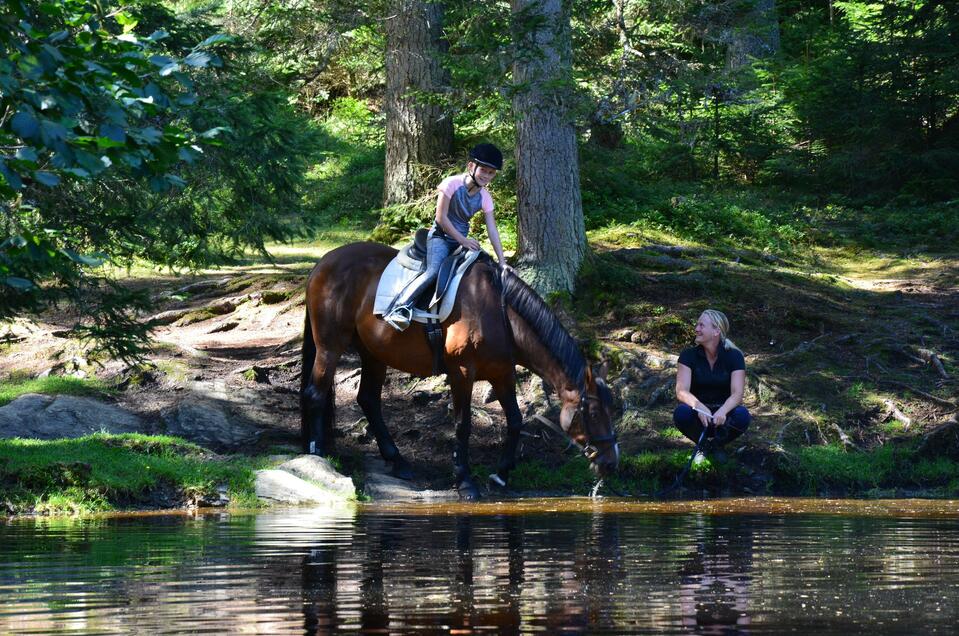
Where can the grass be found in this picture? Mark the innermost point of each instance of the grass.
(102, 472)
(13, 388)
(831, 469)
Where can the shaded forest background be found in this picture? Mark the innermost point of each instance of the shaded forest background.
(187, 133)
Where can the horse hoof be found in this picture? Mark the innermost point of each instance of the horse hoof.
(496, 482)
(468, 491)
(402, 469)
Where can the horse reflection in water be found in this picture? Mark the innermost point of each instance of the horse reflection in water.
(465, 573)
(496, 323)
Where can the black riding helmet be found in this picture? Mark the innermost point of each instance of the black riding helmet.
(487, 155)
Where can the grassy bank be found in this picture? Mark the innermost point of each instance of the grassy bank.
(100, 473)
(887, 471)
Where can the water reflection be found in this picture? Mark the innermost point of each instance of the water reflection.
(586, 569)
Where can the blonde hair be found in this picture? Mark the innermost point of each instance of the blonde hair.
(721, 322)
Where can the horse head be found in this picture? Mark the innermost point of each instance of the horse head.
(588, 420)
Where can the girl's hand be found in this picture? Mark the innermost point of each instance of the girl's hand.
(506, 269)
(471, 244)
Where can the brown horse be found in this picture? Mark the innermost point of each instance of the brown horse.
(496, 323)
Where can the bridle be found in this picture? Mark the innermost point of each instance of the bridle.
(589, 450)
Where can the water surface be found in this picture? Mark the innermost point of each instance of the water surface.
(750, 566)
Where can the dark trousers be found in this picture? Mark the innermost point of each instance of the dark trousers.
(687, 421)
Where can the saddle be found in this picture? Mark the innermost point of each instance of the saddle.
(435, 304)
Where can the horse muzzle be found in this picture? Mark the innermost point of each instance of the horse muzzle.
(603, 461)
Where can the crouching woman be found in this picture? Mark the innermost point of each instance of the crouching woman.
(710, 380)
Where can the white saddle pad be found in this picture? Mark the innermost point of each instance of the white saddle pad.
(396, 277)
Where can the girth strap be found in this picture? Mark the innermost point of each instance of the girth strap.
(434, 336)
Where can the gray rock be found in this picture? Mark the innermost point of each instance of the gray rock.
(279, 486)
(207, 424)
(55, 416)
(381, 486)
(319, 471)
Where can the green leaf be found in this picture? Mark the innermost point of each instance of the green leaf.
(89, 261)
(25, 125)
(20, 284)
(213, 132)
(11, 177)
(46, 178)
(197, 59)
(215, 39)
(27, 154)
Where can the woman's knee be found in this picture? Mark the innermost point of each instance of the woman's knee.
(684, 414)
(740, 418)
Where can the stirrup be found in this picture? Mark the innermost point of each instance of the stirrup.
(400, 317)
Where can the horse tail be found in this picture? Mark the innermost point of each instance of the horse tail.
(309, 353)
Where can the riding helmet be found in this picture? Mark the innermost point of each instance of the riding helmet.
(487, 155)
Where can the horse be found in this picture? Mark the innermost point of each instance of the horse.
(496, 323)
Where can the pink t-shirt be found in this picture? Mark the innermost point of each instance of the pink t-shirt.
(462, 205)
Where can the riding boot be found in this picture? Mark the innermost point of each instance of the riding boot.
(400, 313)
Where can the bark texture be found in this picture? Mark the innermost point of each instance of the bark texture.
(551, 231)
(418, 132)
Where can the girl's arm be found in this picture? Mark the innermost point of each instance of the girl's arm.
(493, 233)
(442, 220)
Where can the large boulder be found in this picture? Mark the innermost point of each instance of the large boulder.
(56, 416)
(319, 471)
(207, 423)
(281, 487)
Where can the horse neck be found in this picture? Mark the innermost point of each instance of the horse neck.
(533, 354)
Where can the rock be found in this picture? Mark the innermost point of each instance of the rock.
(622, 335)
(319, 471)
(56, 416)
(381, 486)
(279, 486)
(206, 423)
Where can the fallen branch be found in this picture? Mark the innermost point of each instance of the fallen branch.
(894, 411)
(843, 437)
(802, 348)
(930, 357)
(902, 385)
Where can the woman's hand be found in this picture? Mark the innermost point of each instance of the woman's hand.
(703, 418)
(719, 418)
(471, 244)
(506, 269)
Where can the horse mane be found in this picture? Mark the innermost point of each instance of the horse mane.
(551, 333)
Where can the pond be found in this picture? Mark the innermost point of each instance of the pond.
(756, 566)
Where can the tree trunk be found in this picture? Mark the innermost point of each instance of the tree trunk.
(418, 133)
(549, 209)
(754, 36)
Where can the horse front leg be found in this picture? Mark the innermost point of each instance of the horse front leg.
(505, 390)
(370, 397)
(462, 393)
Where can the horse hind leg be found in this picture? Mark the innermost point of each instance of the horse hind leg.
(370, 399)
(317, 405)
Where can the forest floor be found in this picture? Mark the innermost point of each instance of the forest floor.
(852, 360)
